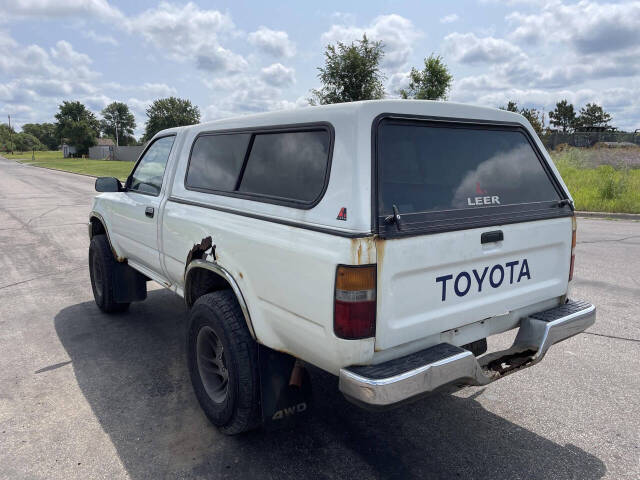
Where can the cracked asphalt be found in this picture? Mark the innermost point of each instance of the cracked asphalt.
(83, 395)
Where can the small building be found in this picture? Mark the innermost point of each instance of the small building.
(102, 149)
(68, 150)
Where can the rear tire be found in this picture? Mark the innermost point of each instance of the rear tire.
(223, 363)
(102, 267)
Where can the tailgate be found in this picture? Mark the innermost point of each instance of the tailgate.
(430, 284)
(472, 224)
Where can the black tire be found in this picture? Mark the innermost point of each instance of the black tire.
(216, 320)
(102, 267)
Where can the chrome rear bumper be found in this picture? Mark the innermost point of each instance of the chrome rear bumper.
(445, 364)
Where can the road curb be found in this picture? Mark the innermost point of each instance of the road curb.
(619, 216)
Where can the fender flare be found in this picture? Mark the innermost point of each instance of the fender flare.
(98, 217)
(224, 273)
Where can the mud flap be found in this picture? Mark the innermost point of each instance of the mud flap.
(285, 388)
(129, 285)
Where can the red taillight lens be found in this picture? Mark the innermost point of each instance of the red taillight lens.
(355, 302)
(574, 228)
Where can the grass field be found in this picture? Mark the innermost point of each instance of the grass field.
(54, 159)
(602, 179)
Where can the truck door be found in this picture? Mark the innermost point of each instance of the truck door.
(135, 216)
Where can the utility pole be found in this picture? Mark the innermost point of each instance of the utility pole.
(10, 135)
(116, 118)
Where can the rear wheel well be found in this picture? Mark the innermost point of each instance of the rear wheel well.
(201, 281)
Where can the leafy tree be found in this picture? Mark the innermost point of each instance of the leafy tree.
(118, 123)
(350, 73)
(432, 83)
(77, 125)
(535, 117)
(592, 115)
(7, 137)
(24, 142)
(170, 112)
(564, 116)
(44, 132)
(511, 106)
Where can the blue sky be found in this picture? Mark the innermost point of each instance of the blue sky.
(233, 58)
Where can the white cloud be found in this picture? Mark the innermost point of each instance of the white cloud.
(586, 26)
(467, 48)
(64, 52)
(60, 8)
(450, 18)
(398, 34)
(272, 42)
(187, 32)
(98, 38)
(278, 75)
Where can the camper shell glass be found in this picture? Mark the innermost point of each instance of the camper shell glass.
(443, 175)
(286, 165)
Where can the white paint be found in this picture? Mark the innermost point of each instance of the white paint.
(287, 274)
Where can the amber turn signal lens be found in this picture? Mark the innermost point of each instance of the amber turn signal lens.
(356, 278)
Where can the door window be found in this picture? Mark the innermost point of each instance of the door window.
(148, 174)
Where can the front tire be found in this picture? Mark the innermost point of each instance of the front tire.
(102, 267)
(223, 363)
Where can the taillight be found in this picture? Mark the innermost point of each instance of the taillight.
(354, 313)
(574, 228)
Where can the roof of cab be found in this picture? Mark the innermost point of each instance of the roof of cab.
(364, 110)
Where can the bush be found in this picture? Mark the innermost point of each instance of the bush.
(612, 184)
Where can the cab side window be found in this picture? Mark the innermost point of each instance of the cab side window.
(148, 175)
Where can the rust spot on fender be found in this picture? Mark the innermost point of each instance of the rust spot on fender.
(363, 251)
(380, 244)
(240, 275)
(199, 251)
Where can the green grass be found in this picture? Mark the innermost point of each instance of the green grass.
(612, 187)
(54, 159)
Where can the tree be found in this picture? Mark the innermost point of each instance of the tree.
(7, 135)
(593, 115)
(44, 132)
(350, 73)
(511, 106)
(77, 125)
(170, 112)
(118, 123)
(25, 142)
(535, 118)
(564, 116)
(432, 83)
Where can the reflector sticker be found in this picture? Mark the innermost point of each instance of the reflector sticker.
(343, 214)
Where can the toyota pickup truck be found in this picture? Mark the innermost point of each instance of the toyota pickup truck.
(381, 241)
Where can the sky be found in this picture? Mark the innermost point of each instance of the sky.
(237, 57)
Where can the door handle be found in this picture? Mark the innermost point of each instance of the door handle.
(489, 237)
(149, 212)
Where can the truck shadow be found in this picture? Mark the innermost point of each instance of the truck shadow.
(131, 368)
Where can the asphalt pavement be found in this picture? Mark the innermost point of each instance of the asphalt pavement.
(85, 395)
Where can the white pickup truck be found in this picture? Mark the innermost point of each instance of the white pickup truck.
(381, 241)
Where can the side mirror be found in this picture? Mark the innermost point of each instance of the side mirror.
(108, 184)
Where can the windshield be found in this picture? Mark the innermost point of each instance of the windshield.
(428, 167)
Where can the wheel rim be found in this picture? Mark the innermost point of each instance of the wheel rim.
(98, 281)
(212, 365)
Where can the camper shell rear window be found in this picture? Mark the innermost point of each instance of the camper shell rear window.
(441, 176)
